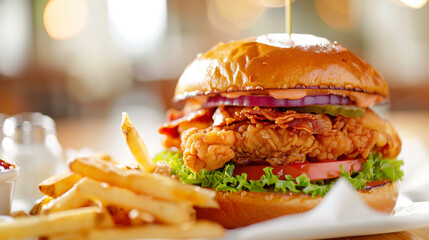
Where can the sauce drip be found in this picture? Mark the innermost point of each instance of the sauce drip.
(361, 99)
(5, 165)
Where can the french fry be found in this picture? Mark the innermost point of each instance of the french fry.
(200, 229)
(76, 220)
(166, 212)
(106, 157)
(37, 208)
(125, 202)
(150, 184)
(66, 236)
(19, 214)
(138, 217)
(57, 185)
(136, 145)
(69, 200)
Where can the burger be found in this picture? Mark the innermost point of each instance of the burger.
(272, 122)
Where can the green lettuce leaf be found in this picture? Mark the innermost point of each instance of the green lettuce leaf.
(376, 168)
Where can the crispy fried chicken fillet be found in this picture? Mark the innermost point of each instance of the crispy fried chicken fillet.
(209, 138)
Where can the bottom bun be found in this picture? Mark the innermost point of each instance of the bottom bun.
(240, 209)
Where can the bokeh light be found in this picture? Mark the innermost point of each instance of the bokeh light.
(137, 25)
(15, 37)
(273, 3)
(88, 82)
(339, 14)
(416, 4)
(233, 16)
(64, 19)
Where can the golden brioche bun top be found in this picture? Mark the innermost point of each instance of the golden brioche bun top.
(278, 62)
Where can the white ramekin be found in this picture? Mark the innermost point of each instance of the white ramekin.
(7, 182)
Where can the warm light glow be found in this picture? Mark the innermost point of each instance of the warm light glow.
(243, 13)
(339, 14)
(137, 25)
(64, 19)
(7, 144)
(273, 3)
(416, 4)
(15, 31)
(233, 16)
(98, 77)
(218, 21)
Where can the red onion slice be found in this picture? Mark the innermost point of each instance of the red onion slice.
(266, 101)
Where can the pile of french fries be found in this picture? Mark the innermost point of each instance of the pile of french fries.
(101, 199)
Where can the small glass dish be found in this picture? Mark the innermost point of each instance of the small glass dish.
(7, 181)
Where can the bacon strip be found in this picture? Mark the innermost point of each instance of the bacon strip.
(224, 116)
(311, 123)
(170, 128)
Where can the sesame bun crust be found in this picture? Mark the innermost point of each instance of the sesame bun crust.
(241, 209)
(276, 62)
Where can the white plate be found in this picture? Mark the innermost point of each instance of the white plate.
(338, 215)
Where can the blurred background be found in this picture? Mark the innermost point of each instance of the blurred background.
(83, 62)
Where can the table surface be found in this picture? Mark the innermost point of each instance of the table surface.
(77, 134)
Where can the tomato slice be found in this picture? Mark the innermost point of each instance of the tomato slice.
(376, 183)
(314, 170)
